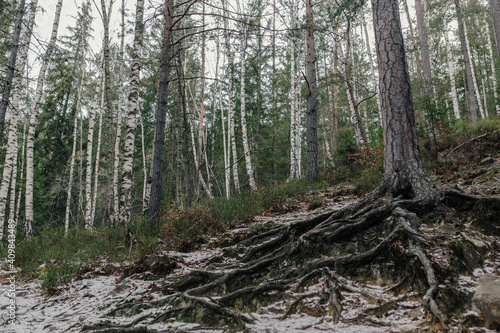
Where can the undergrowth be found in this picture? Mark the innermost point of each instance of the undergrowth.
(186, 230)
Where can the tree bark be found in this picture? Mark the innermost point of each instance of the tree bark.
(468, 71)
(312, 98)
(244, 134)
(493, 69)
(161, 111)
(106, 12)
(90, 140)
(414, 43)
(33, 118)
(404, 172)
(12, 64)
(451, 70)
(132, 111)
(495, 17)
(424, 49)
(473, 74)
(97, 163)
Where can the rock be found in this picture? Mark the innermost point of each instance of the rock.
(487, 299)
(487, 161)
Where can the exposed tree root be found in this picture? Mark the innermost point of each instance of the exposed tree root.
(330, 249)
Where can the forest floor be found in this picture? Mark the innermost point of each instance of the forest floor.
(103, 299)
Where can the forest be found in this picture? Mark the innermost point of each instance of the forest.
(250, 165)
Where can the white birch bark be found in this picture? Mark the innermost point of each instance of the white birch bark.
(195, 155)
(73, 152)
(232, 136)
(28, 230)
(246, 149)
(493, 70)
(10, 166)
(227, 171)
(133, 110)
(372, 70)
(90, 139)
(97, 163)
(116, 164)
(298, 131)
(144, 166)
(476, 89)
(451, 70)
(293, 111)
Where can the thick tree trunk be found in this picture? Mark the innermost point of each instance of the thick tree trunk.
(312, 98)
(467, 64)
(451, 70)
(12, 65)
(161, 111)
(33, 118)
(132, 111)
(404, 172)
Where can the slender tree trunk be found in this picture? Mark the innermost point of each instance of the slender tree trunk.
(21, 171)
(10, 165)
(12, 65)
(451, 70)
(493, 70)
(246, 148)
(116, 165)
(132, 111)
(33, 118)
(161, 111)
(144, 165)
(312, 98)
(372, 68)
(231, 134)
(97, 163)
(414, 44)
(293, 108)
(495, 17)
(467, 64)
(227, 168)
(73, 152)
(473, 74)
(90, 140)
(404, 172)
(106, 12)
(424, 49)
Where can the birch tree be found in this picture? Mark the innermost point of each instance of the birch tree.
(473, 74)
(451, 71)
(116, 149)
(133, 110)
(33, 118)
(492, 65)
(12, 64)
(246, 148)
(90, 140)
(467, 64)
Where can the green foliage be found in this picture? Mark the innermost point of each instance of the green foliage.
(56, 259)
(185, 230)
